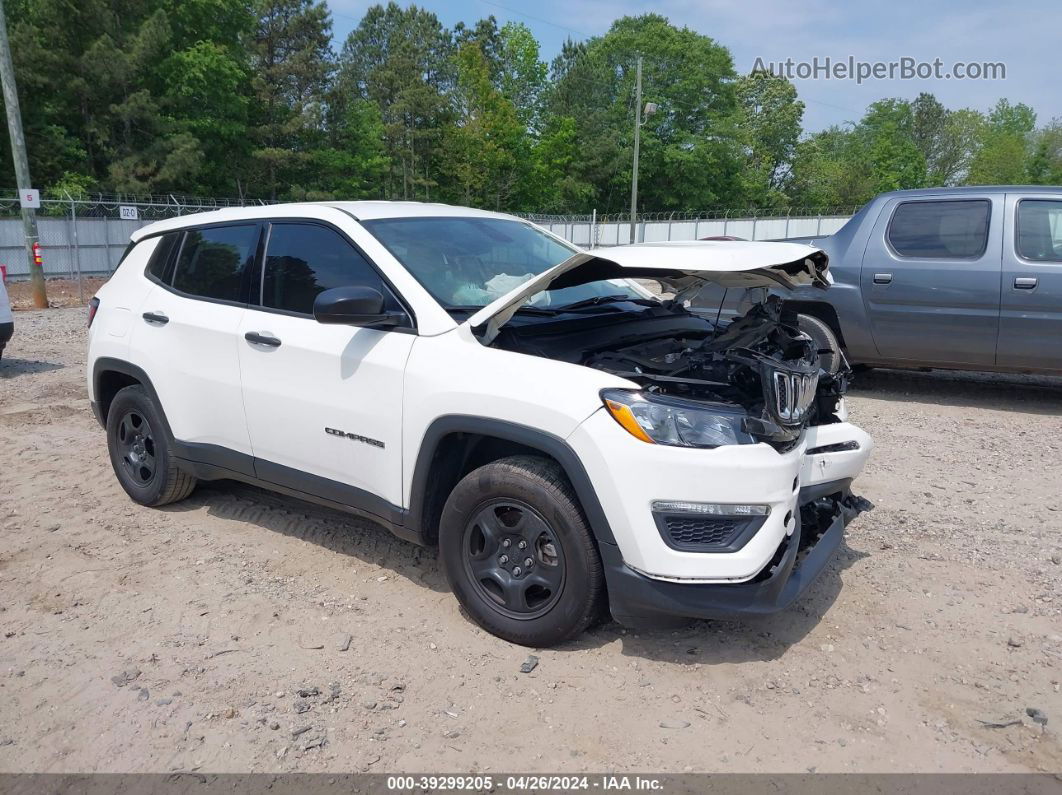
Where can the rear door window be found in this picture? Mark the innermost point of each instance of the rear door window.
(940, 229)
(1040, 230)
(303, 260)
(213, 261)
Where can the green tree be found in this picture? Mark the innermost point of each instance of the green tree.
(553, 184)
(133, 96)
(204, 86)
(887, 133)
(769, 126)
(689, 156)
(400, 60)
(522, 75)
(1045, 165)
(353, 164)
(847, 166)
(488, 38)
(485, 150)
(1005, 146)
(292, 65)
(946, 138)
(829, 170)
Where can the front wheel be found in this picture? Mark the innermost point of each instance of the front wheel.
(825, 340)
(518, 554)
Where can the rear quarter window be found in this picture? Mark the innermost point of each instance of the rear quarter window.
(940, 229)
(160, 264)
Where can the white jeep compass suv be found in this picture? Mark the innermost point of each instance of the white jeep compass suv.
(464, 378)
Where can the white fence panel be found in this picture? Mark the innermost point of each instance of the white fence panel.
(97, 243)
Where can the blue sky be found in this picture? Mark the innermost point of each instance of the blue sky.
(1024, 36)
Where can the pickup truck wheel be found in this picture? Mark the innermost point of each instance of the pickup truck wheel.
(518, 554)
(822, 335)
(140, 450)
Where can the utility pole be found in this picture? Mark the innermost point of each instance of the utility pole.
(637, 135)
(18, 154)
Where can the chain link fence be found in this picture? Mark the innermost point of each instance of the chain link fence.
(84, 236)
(593, 230)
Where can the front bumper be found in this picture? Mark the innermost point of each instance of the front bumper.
(637, 600)
(6, 330)
(628, 475)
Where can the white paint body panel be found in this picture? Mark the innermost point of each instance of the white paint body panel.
(121, 297)
(193, 361)
(629, 475)
(455, 374)
(217, 388)
(339, 377)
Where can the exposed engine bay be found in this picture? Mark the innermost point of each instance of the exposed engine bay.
(760, 361)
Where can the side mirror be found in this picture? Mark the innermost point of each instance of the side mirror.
(354, 306)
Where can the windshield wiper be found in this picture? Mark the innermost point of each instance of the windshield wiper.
(528, 310)
(597, 300)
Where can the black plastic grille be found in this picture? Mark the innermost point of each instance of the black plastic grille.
(700, 532)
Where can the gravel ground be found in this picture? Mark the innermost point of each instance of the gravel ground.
(241, 631)
(61, 292)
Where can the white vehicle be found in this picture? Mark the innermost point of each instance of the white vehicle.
(7, 321)
(469, 380)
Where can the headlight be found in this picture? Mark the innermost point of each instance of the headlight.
(657, 419)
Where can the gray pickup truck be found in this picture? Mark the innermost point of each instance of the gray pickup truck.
(955, 278)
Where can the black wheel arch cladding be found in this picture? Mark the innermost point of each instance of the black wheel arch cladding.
(536, 439)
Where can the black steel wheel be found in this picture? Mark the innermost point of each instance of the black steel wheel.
(136, 446)
(513, 558)
(518, 553)
(141, 454)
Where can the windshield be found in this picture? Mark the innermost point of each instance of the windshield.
(465, 263)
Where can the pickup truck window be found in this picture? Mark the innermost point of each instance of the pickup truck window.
(1040, 230)
(940, 229)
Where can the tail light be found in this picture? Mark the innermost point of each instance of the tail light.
(93, 307)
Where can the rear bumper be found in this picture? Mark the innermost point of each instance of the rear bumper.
(6, 330)
(637, 600)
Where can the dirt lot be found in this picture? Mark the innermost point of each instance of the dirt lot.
(179, 639)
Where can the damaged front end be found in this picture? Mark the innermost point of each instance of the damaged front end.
(702, 383)
(761, 362)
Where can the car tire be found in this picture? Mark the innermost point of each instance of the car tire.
(140, 450)
(518, 553)
(825, 339)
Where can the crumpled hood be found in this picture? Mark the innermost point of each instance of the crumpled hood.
(682, 266)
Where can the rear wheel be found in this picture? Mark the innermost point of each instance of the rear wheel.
(518, 554)
(825, 340)
(140, 450)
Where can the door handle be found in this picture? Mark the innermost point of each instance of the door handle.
(255, 338)
(1025, 283)
(882, 278)
(156, 318)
